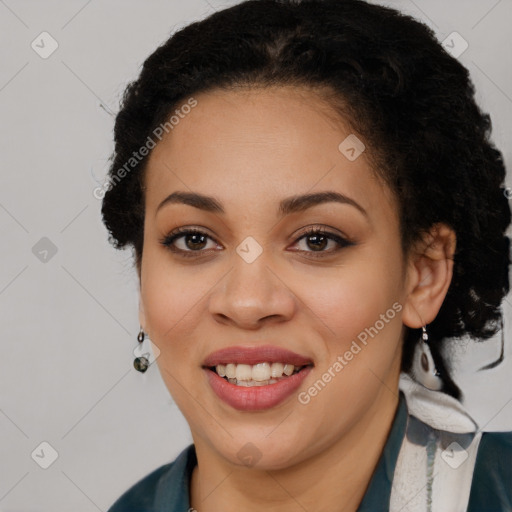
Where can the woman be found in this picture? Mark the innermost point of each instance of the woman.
(314, 204)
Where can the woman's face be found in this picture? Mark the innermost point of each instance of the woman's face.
(253, 283)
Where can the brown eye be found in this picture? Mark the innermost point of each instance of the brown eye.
(187, 242)
(195, 241)
(317, 242)
(318, 239)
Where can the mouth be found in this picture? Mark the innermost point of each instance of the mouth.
(257, 378)
(260, 374)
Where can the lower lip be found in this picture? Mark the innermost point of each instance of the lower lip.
(256, 398)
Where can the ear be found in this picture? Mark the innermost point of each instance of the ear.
(429, 274)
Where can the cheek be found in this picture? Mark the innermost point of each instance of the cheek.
(361, 310)
(353, 298)
(170, 299)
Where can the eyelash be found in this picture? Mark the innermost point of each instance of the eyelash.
(169, 240)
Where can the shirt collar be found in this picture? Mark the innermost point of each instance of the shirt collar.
(172, 494)
(378, 492)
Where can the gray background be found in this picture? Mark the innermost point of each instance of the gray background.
(69, 320)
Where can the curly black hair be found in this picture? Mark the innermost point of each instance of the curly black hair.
(409, 99)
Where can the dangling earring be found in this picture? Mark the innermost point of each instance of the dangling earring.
(424, 367)
(141, 363)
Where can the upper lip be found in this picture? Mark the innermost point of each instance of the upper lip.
(255, 355)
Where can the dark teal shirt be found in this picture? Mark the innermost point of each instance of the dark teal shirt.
(166, 489)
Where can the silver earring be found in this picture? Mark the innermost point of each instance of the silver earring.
(141, 363)
(423, 367)
(431, 376)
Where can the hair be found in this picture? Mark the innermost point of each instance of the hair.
(411, 101)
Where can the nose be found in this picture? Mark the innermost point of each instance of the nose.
(252, 295)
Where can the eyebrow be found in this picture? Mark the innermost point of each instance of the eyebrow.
(287, 206)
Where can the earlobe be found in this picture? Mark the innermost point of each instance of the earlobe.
(430, 274)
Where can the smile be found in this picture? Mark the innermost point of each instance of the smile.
(251, 379)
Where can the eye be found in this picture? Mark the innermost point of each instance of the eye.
(318, 238)
(191, 240)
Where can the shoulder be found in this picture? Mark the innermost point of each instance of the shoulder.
(492, 477)
(495, 452)
(141, 496)
(169, 480)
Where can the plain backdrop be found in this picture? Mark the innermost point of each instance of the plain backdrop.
(68, 300)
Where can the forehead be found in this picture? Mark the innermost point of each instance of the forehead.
(263, 144)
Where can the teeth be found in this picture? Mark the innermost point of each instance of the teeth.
(230, 371)
(243, 372)
(251, 383)
(288, 369)
(259, 374)
(276, 370)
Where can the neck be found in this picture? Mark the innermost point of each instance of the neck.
(339, 475)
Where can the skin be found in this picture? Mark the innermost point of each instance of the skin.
(250, 149)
